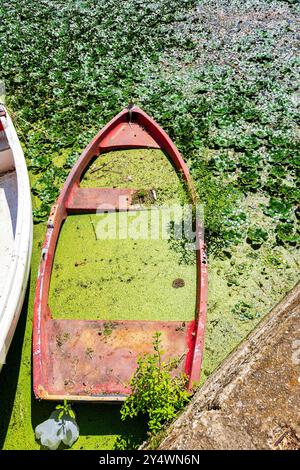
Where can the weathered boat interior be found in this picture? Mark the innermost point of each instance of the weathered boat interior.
(101, 295)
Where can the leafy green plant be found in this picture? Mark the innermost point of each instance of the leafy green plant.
(65, 410)
(223, 220)
(256, 236)
(250, 180)
(277, 172)
(155, 391)
(244, 311)
(41, 213)
(250, 161)
(222, 163)
(286, 233)
(279, 209)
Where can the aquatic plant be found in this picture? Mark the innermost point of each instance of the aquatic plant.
(245, 311)
(225, 221)
(256, 236)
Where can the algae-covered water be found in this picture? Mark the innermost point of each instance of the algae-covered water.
(226, 92)
(126, 266)
(142, 169)
(243, 288)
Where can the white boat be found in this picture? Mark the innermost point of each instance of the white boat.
(15, 231)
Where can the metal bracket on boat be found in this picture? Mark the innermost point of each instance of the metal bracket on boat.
(204, 255)
(130, 108)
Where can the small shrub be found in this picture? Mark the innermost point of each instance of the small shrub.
(156, 393)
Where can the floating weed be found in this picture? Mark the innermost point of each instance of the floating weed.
(286, 233)
(256, 236)
(244, 311)
(278, 209)
(212, 91)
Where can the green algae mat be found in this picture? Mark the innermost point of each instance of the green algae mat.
(119, 279)
(101, 272)
(233, 114)
(243, 287)
(142, 169)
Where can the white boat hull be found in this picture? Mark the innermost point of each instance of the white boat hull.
(16, 229)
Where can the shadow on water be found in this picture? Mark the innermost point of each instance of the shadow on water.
(10, 371)
(104, 420)
(96, 420)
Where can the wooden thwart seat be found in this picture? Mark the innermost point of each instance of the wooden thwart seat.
(99, 199)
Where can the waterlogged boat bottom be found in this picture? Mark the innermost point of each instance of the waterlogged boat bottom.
(120, 279)
(94, 358)
(108, 297)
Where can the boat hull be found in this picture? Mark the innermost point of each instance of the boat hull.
(16, 212)
(67, 353)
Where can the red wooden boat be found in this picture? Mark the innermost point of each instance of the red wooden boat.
(130, 129)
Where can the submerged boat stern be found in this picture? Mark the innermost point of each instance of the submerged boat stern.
(94, 360)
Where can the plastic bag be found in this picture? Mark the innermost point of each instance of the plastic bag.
(55, 430)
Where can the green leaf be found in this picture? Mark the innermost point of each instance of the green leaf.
(256, 236)
(286, 233)
(278, 208)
